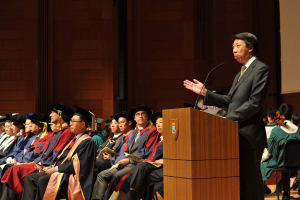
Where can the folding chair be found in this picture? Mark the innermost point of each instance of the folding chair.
(291, 157)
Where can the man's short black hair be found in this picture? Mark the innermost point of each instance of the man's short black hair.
(296, 119)
(272, 112)
(83, 118)
(249, 39)
(286, 110)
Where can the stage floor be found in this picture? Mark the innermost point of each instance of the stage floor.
(272, 187)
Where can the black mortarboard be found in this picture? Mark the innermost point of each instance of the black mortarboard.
(141, 107)
(121, 114)
(8, 119)
(87, 114)
(2, 119)
(66, 110)
(38, 117)
(188, 105)
(18, 118)
(154, 117)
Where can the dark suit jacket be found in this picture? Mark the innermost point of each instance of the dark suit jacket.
(245, 102)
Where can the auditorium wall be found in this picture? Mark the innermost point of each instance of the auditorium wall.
(168, 41)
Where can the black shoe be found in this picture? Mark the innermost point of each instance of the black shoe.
(267, 190)
(295, 184)
(284, 197)
(291, 197)
(131, 195)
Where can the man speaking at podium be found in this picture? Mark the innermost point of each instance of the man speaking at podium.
(245, 102)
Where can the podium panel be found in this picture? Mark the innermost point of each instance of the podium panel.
(203, 162)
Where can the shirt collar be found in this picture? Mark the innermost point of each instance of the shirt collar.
(248, 63)
(79, 135)
(117, 135)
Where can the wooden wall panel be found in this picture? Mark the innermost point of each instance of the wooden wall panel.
(18, 56)
(163, 40)
(84, 60)
(162, 50)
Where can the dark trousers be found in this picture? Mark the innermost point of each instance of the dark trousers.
(251, 182)
(140, 172)
(155, 183)
(101, 189)
(145, 175)
(7, 194)
(35, 186)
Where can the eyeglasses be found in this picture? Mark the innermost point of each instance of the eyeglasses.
(72, 121)
(140, 114)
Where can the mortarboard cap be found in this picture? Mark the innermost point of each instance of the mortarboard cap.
(18, 118)
(141, 107)
(154, 117)
(87, 114)
(66, 110)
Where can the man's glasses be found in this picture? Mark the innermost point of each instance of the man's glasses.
(140, 114)
(72, 121)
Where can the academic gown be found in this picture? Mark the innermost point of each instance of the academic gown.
(275, 148)
(100, 163)
(15, 176)
(148, 138)
(137, 178)
(34, 150)
(6, 142)
(98, 138)
(74, 172)
(18, 147)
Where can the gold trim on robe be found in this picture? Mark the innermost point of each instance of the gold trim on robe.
(74, 187)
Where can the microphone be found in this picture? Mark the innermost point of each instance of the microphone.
(217, 67)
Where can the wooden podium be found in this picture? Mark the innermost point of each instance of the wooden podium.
(203, 163)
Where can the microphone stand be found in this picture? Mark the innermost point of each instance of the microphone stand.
(220, 65)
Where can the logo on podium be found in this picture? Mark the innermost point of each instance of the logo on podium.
(175, 128)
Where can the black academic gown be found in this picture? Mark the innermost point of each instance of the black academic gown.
(36, 184)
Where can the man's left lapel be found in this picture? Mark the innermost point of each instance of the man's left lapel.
(245, 75)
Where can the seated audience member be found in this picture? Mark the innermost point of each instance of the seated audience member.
(20, 142)
(270, 125)
(140, 142)
(106, 130)
(265, 119)
(294, 181)
(35, 125)
(73, 169)
(2, 126)
(7, 141)
(221, 113)
(138, 179)
(285, 131)
(103, 159)
(38, 126)
(296, 119)
(55, 142)
(92, 131)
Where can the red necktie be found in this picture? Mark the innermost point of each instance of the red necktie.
(72, 142)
